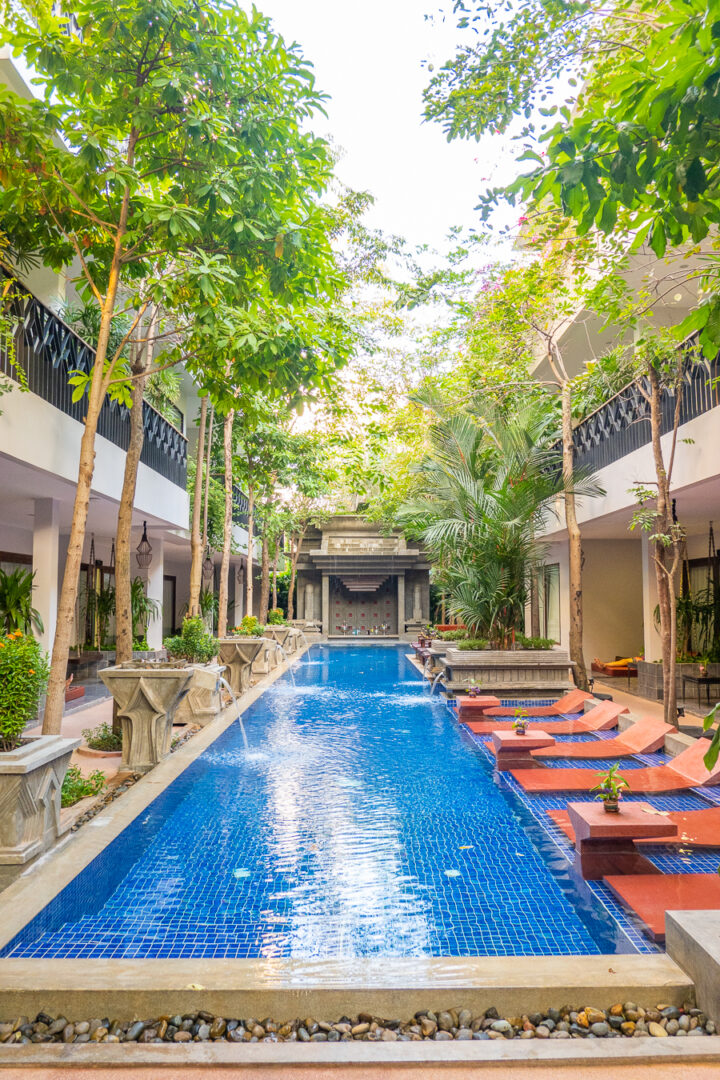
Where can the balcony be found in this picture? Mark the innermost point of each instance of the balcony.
(622, 424)
(47, 351)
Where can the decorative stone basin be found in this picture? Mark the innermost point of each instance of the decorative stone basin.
(147, 698)
(238, 654)
(267, 658)
(31, 778)
(203, 701)
(279, 634)
(522, 673)
(293, 641)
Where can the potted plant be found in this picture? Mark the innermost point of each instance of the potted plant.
(276, 617)
(203, 701)
(32, 768)
(475, 688)
(703, 662)
(520, 723)
(610, 788)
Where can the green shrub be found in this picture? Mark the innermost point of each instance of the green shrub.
(76, 786)
(542, 643)
(452, 635)
(141, 645)
(276, 617)
(473, 643)
(102, 738)
(193, 644)
(249, 627)
(23, 677)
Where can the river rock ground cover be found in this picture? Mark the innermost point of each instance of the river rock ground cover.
(627, 1020)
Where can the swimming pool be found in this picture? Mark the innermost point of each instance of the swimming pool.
(362, 822)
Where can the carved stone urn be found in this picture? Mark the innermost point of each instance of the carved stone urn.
(238, 654)
(31, 778)
(279, 634)
(147, 697)
(203, 701)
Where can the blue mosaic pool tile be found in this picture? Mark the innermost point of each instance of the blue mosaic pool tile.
(363, 822)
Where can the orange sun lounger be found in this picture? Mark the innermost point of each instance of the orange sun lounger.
(651, 895)
(687, 770)
(571, 702)
(602, 718)
(644, 737)
(696, 828)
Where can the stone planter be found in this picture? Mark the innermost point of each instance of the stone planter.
(294, 640)
(525, 673)
(267, 658)
(31, 778)
(147, 698)
(203, 701)
(280, 634)
(238, 654)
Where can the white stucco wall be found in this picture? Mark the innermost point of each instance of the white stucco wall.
(36, 433)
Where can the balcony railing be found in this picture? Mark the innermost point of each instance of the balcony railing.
(47, 351)
(622, 424)
(241, 507)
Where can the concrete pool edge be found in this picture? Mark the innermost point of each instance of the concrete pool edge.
(285, 989)
(43, 880)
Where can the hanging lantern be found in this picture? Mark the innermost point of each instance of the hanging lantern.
(144, 551)
(208, 567)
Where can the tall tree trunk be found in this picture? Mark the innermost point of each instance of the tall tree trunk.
(249, 571)
(664, 566)
(196, 547)
(265, 578)
(55, 700)
(574, 544)
(293, 572)
(534, 606)
(124, 629)
(276, 559)
(227, 527)
(206, 496)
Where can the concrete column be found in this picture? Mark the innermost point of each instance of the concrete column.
(309, 602)
(239, 595)
(326, 603)
(300, 597)
(651, 634)
(45, 552)
(417, 602)
(155, 592)
(401, 603)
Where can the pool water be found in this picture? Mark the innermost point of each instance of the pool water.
(362, 822)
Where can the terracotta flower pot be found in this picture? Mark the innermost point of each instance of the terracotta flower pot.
(611, 806)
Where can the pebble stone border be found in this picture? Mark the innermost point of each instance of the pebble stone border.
(621, 1021)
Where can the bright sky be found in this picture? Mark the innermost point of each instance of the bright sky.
(368, 57)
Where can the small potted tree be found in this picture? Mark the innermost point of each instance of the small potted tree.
(32, 768)
(195, 646)
(610, 788)
(520, 723)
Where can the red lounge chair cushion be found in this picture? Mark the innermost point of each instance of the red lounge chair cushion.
(602, 718)
(571, 702)
(651, 895)
(644, 737)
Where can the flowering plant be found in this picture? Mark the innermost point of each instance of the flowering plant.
(520, 722)
(474, 690)
(610, 787)
(23, 676)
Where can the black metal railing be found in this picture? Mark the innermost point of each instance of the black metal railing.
(47, 351)
(622, 424)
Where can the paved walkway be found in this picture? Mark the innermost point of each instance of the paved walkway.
(478, 1071)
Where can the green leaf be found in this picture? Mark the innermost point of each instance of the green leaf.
(658, 240)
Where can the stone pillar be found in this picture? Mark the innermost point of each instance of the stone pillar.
(401, 603)
(417, 602)
(309, 602)
(300, 596)
(155, 592)
(326, 604)
(239, 609)
(45, 551)
(651, 634)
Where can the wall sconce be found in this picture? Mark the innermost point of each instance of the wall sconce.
(144, 551)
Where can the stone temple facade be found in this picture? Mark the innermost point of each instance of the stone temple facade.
(355, 581)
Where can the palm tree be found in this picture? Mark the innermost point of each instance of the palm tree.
(483, 493)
